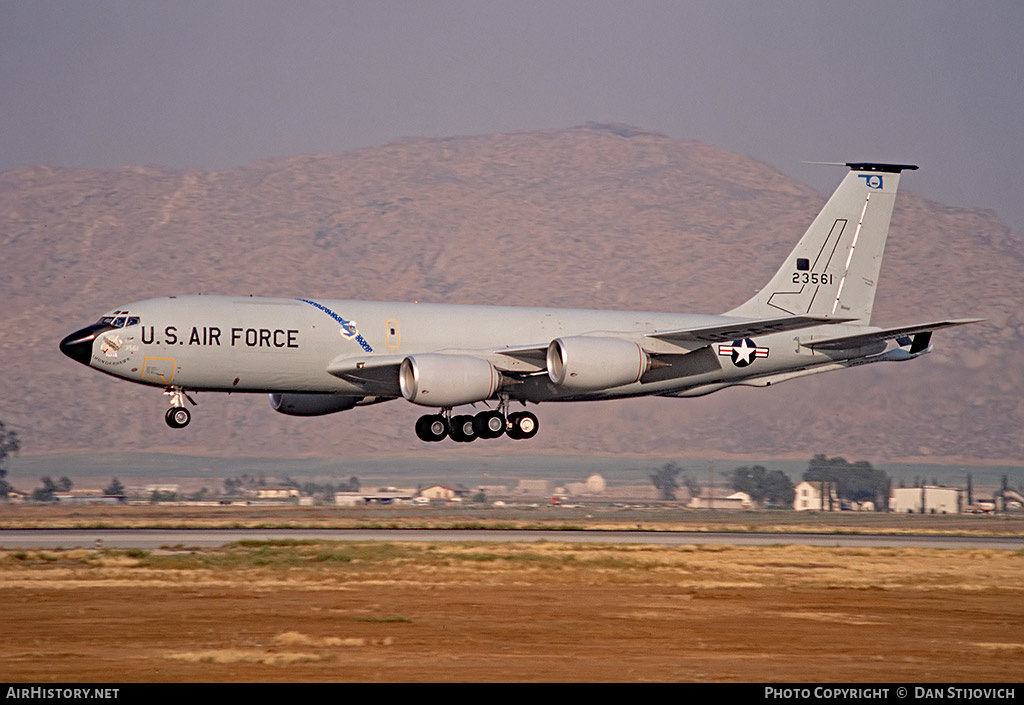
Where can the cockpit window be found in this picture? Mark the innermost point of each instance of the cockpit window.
(119, 321)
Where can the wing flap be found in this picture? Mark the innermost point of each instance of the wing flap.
(745, 328)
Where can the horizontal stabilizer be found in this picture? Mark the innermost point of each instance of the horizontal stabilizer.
(853, 341)
(871, 166)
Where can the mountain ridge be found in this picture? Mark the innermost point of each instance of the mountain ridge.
(580, 217)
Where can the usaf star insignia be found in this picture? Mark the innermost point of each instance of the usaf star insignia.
(743, 352)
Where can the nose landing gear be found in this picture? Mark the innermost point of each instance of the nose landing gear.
(178, 416)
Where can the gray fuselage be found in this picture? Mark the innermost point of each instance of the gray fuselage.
(247, 344)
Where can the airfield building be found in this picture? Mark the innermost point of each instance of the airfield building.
(926, 500)
(815, 496)
(714, 498)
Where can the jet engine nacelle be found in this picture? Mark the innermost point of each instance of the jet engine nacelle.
(311, 404)
(434, 379)
(589, 364)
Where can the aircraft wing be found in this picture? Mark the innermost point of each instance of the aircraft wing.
(853, 341)
(379, 373)
(744, 328)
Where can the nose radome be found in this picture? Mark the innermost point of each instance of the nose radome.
(78, 345)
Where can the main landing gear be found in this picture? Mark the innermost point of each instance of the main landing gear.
(178, 416)
(465, 428)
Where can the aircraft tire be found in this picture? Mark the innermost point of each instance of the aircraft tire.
(431, 428)
(489, 424)
(524, 425)
(463, 429)
(513, 430)
(177, 417)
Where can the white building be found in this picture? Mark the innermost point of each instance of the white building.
(811, 496)
(169, 489)
(359, 499)
(721, 499)
(276, 492)
(925, 500)
(494, 490)
(441, 492)
(593, 485)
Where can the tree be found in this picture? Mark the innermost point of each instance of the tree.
(664, 480)
(324, 491)
(232, 486)
(163, 496)
(353, 485)
(749, 480)
(855, 482)
(779, 490)
(46, 492)
(114, 488)
(9, 445)
(64, 484)
(764, 487)
(199, 496)
(692, 486)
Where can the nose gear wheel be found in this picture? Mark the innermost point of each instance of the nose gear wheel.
(178, 416)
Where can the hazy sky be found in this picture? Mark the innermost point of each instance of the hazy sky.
(214, 84)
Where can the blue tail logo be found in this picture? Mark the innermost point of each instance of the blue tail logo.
(872, 181)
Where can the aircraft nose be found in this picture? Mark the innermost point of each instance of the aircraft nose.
(78, 345)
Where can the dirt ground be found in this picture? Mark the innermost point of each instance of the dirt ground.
(550, 611)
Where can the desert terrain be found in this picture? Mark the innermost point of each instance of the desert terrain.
(298, 611)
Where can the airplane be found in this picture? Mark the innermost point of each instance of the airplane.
(318, 356)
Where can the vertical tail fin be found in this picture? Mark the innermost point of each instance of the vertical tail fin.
(833, 270)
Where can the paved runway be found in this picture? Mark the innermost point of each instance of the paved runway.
(156, 538)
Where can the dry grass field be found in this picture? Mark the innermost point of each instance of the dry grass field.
(548, 611)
